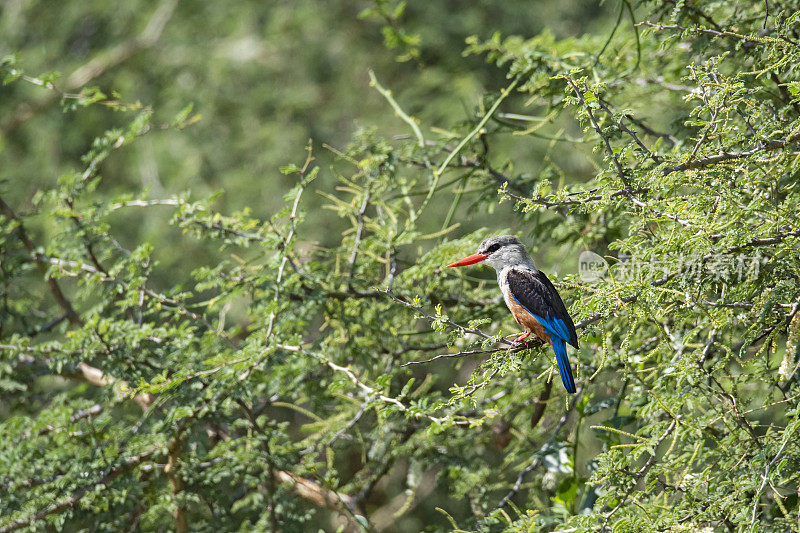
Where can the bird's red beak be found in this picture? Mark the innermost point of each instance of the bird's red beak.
(471, 260)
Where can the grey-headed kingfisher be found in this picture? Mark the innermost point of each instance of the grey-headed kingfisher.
(533, 300)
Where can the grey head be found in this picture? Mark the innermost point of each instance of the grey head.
(504, 251)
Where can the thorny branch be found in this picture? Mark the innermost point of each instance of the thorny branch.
(289, 237)
(454, 325)
(764, 146)
(627, 186)
(782, 40)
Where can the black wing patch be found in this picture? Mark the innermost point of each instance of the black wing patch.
(537, 294)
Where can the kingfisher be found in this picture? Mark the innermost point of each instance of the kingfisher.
(530, 296)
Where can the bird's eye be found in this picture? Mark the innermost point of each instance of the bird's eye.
(493, 248)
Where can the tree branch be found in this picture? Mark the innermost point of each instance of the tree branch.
(764, 146)
(55, 289)
(86, 372)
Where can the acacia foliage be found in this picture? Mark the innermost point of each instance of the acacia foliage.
(290, 385)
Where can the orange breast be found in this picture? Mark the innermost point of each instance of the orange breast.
(527, 320)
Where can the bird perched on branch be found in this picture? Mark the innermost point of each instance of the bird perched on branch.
(531, 297)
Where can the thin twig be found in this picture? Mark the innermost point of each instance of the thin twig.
(641, 472)
(357, 241)
(466, 353)
(454, 325)
(411, 121)
(764, 146)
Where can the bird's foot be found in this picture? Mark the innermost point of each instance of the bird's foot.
(521, 338)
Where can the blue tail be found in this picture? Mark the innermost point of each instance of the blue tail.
(558, 331)
(560, 347)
